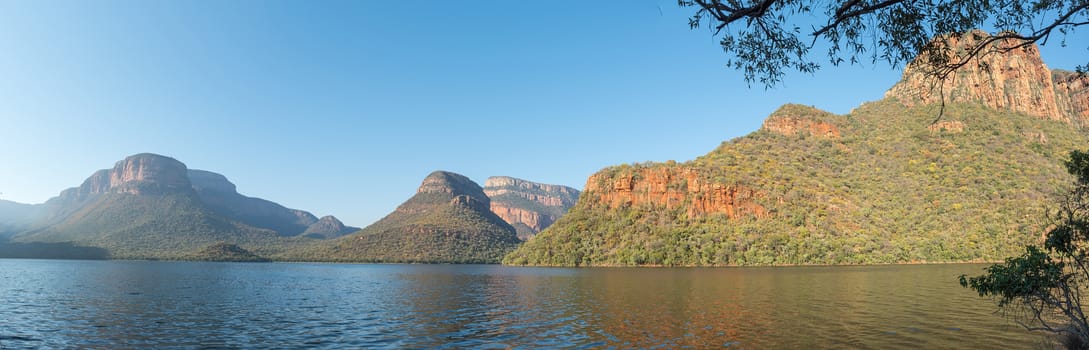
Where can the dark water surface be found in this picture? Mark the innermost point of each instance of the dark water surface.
(130, 304)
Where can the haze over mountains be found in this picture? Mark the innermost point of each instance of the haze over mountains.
(150, 206)
(885, 183)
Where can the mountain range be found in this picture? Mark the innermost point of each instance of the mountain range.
(150, 206)
(936, 171)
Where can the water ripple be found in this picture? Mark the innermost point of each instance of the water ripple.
(114, 304)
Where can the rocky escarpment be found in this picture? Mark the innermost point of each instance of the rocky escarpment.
(447, 221)
(1015, 79)
(144, 173)
(528, 206)
(674, 187)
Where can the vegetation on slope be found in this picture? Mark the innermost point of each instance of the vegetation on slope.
(164, 226)
(448, 221)
(888, 190)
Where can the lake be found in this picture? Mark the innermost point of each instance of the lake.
(140, 304)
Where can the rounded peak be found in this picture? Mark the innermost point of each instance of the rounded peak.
(448, 182)
(799, 111)
(792, 119)
(331, 219)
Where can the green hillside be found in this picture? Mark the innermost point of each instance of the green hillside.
(447, 221)
(887, 187)
(162, 226)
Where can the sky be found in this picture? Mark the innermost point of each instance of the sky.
(343, 107)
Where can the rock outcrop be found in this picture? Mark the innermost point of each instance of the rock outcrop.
(144, 173)
(1015, 79)
(671, 188)
(792, 120)
(528, 206)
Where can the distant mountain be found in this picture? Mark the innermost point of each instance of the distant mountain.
(328, 227)
(885, 183)
(16, 217)
(447, 221)
(528, 206)
(220, 195)
(150, 206)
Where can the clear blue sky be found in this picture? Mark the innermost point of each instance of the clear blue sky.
(342, 107)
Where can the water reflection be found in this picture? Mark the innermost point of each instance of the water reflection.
(110, 304)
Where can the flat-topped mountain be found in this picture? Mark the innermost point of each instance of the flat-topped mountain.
(152, 206)
(882, 184)
(528, 206)
(448, 221)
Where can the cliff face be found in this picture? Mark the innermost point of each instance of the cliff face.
(1017, 80)
(528, 206)
(671, 188)
(143, 173)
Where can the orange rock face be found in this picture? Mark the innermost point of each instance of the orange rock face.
(528, 206)
(1017, 80)
(675, 187)
(1073, 93)
(794, 119)
(791, 126)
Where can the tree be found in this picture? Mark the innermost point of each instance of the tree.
(764, 38)
(1043, 289)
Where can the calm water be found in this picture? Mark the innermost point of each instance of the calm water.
(126, 304)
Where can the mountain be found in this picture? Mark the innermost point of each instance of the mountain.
(328, 227)
(16, 217)
(150, 206)
(447, 221)
(220, 195)
(885, 183)
(528, 206)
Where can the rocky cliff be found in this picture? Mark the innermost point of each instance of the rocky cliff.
(883, 184)
(447, 221)
(1004, 77)
(528, 206)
